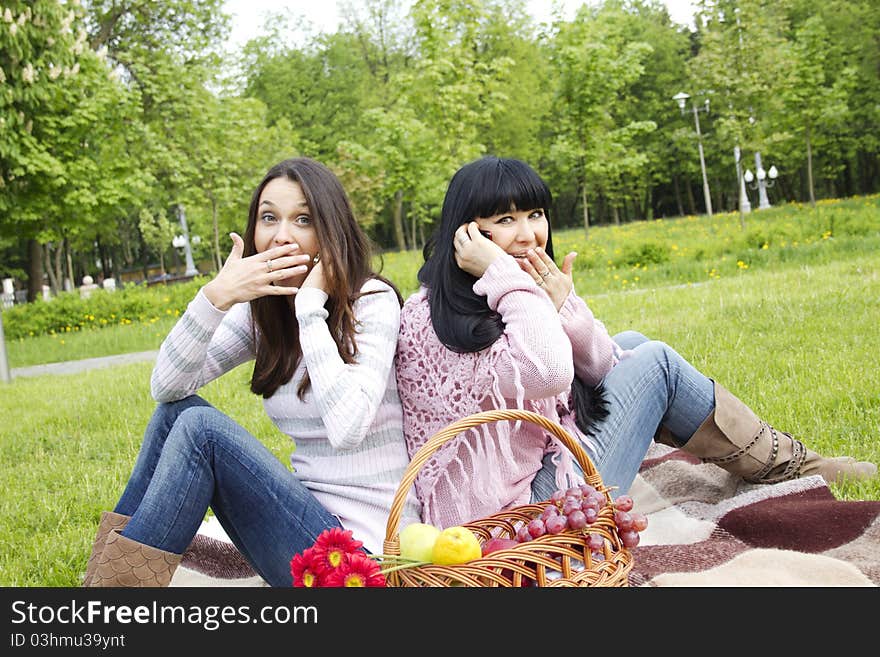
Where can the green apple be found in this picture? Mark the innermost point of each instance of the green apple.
(417, 541)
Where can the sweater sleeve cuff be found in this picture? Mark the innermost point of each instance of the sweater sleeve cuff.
(310, 304)
(205, 312)
(499, 278)
(571, 306)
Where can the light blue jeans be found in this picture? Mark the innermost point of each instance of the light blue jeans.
(653, 387)
(193, 456)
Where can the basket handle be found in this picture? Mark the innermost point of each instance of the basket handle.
(450, 431)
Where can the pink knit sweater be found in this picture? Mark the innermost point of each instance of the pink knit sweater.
(530, 366)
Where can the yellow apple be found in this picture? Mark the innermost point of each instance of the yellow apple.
(417, 541)
(456, 545)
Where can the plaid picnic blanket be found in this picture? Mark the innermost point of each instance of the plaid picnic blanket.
(705, 528)
(708, 528)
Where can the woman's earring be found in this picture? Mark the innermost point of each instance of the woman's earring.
(316, 259)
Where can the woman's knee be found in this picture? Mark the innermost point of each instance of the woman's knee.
(172, 410)
(630, 339)
(656, 351)
(197, 425)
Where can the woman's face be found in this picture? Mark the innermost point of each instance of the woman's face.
(517, 231)
(284, 217)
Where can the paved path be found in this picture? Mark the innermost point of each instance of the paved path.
(74, 366)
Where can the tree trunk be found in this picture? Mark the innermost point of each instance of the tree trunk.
(144, 257)
(397, 221)
(106, 261)
(70, 279)
(690, 193)
(678, 196)
(35, 270)
(218, 260)
(810, 169)
(585, 206)
(47, 263)
(59, 268)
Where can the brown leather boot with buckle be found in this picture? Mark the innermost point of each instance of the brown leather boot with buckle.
(734, 438)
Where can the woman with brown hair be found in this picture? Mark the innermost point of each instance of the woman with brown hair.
(297, 295)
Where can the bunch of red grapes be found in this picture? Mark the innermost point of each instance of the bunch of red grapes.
(577, 508)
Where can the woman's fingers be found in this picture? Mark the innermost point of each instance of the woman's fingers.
(284, 266)
(542, 265)
(555, 282)
(237, 247)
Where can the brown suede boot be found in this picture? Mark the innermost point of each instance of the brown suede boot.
(734, 438)
(125, 562)
(109, 520)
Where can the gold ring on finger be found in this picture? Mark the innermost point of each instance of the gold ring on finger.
(269, 264)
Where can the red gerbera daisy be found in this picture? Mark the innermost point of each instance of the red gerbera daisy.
(334, 544)
(356, 570)
(306, 568)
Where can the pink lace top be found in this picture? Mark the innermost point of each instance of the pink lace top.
(530, 366)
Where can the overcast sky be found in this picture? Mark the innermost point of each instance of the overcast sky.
(247, 15)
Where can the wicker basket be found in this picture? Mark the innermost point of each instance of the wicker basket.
(562, 559)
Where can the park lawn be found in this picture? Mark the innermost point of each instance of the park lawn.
(636, 256)
(798, 343)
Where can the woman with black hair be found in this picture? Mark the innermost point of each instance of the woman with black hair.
(298, 296)
(496, 324)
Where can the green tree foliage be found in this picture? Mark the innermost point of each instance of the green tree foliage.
(111, 110)
(54, 92)
(816, 101)
(595, 65)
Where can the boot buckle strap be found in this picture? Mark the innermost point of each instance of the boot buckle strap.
(792, 468)
(718, 460)
(771, 460)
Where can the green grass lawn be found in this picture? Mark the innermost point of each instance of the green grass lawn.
(793, 334)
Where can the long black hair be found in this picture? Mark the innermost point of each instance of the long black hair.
(461, 318)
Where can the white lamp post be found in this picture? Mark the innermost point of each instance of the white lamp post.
(762, 181)
(5, 372)
(190, 265)
(744, 206)
(682, 98)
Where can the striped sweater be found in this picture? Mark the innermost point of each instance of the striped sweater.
(348, 430)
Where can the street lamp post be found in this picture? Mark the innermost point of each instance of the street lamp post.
(190, 265)
(762, 180)
(5, 372)
(744, 206)
(682, 98)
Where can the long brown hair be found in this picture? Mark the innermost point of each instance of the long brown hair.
(346, 256)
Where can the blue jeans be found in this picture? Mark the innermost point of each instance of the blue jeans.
(651, 388)
(192, 457)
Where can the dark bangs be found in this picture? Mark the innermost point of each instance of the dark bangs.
(506, 184)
